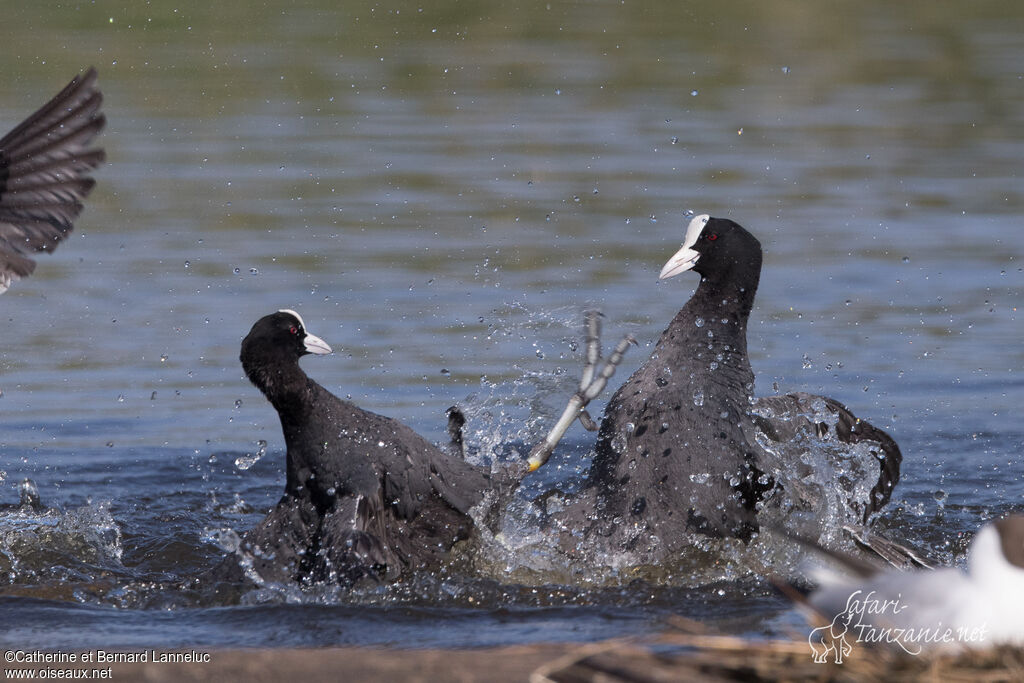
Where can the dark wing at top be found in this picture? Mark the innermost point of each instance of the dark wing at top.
(781, 417)
(44, 175)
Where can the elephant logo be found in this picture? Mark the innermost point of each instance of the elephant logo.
(832, 639)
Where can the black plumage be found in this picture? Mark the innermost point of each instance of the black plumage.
(680, 445)
(44, 175)
(365, 495)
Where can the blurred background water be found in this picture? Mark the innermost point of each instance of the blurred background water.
(441, 190)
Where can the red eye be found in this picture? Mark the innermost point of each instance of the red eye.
(712, 237)
(293, 329)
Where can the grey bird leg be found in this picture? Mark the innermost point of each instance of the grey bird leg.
(592, 384)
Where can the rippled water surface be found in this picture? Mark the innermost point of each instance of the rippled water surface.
(441, 190)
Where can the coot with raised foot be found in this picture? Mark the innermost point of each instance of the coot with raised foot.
(44, 175)
(683, 446)
(365, 495)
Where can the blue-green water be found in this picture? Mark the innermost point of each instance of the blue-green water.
(441, 191)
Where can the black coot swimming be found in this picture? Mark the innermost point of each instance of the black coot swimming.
(683, 446)
(44, 175)
(366, 497)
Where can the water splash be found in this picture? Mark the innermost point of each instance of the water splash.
(824, 484)
(46, 546)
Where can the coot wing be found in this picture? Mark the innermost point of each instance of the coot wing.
(781, 418)
(44, 167)
(352, 542)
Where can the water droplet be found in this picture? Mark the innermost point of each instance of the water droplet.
(674, 140)
(701, 478)
(380, 444)
(906, 259)
(238, 403)
(698, 398)
(713, 366)
(694, 92)
(244, 462)
(699, 322)
(785, 69)
(28, 493)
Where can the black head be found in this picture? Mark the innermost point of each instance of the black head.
(277, 339)
(719, 249)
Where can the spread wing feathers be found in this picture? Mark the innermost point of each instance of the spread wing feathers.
(367, 537)
(44, 167)
(781, 417)
(899, 556)
(877, 547)
(351, 545)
